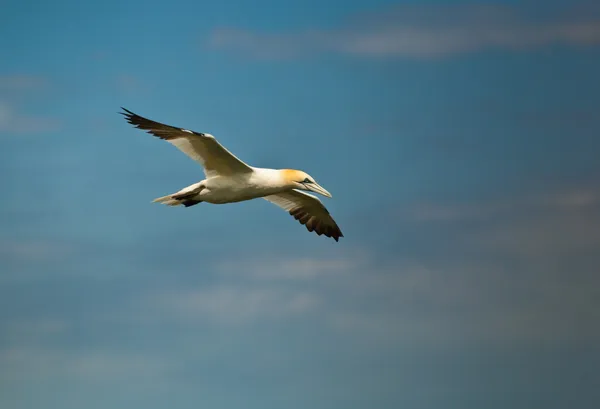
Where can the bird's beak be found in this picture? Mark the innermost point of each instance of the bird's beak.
(315, 187)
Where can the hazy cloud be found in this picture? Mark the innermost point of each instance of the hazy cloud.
(130, 84)
(470, 302)
(231, 304)
(32, 250)
(565, 201)
(13, 121)
(37, 327)
(45, 362)
(538, 227)
(423, 31)
(516, 268)
(12, 118)
(21, 82)
(288, 268)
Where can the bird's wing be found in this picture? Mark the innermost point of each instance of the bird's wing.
(308, 210)
(203, 148)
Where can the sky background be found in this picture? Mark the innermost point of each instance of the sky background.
(460, 142)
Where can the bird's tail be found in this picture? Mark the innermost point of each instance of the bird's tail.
(176, 199)
(167, 200)
(186, 197)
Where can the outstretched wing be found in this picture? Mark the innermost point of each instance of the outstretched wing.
(203, 148)
(309, 211)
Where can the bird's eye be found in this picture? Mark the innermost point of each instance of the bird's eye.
(307, 180)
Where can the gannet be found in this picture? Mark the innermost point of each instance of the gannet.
(229, 180)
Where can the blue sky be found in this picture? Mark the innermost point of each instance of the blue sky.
(459, 141)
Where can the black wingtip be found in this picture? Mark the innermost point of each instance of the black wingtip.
(130, 117)
(127, 112)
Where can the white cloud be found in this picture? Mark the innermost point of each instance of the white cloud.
(574, 199)
(288, 268)
(31, 362)
(31, 329)
(229, 304)
(14, 121)
(32, 250)
(461, 303)
(421, 31)
(20, 82)
(129, 84)
(563, 201)
(516, 269)
(255, 289)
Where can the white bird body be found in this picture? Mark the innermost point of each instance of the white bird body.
(229, 180)
(236, 188)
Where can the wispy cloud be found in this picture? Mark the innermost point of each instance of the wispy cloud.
(16, 122)
(32, 250)
(542, 232)
(130, 84)
(288, 268)
(22, 331)
(251, 290)
(519, 268)
(13, 118)
(45, 362)
(234, 305)
(470, 302)
(21, 82)
(564, 201)
(423, 31)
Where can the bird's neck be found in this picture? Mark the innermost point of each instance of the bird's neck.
(275, 178)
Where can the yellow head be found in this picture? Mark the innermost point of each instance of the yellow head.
(298, 179)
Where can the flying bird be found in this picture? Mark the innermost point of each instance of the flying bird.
(230, 180)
